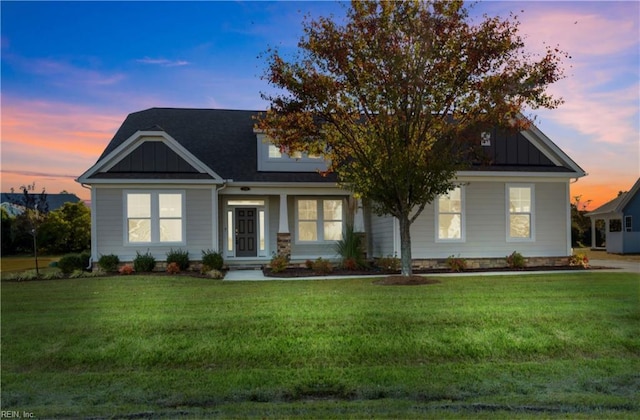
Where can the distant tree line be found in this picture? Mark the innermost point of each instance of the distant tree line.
(63, 230)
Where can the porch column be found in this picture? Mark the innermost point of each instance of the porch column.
(284, 237)
(283, 227)
(358, 217)
(359, 228)
(593, 233)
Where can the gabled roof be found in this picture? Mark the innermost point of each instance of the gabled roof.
(618, 204)
(225, 142)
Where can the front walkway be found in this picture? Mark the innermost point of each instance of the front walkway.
(615, 266)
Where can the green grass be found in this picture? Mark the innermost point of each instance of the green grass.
(16, 264)
(563, 345)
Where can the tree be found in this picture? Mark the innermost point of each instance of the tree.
(67, 229)
(580, 223)
(5, 238)
(396, 98)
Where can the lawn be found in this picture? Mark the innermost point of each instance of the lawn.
(565, 344)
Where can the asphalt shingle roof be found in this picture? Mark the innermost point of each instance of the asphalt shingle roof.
(224, 140)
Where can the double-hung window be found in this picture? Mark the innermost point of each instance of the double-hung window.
(154, 217)
(319, 220)
(450, 216)
(520, 214)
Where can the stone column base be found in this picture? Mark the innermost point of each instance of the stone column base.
(284, 244)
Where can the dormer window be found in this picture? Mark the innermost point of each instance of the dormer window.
(272, 159)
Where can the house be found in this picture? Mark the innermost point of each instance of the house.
(200, 179)
(13, 202)
(620, 218)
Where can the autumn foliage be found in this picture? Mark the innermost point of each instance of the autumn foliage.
(395, 98)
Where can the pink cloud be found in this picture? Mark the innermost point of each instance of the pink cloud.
(51, 141)
(580, 33)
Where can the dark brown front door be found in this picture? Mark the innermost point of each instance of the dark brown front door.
(246, 232)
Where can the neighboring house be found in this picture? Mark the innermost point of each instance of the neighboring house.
(621, 220)
(199, 179)
(13, 202)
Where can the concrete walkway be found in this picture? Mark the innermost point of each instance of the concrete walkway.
(612, 266)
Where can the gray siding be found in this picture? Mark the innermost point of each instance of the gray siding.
(485, 226)
(381, 235)
(110, 225)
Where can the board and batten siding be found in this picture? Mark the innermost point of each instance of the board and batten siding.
(110, 230)
(485, 226)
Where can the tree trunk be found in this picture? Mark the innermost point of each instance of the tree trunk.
(405, 245)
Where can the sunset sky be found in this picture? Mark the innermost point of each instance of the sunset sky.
(72, 71)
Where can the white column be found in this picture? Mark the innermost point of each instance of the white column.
(283, 227)
(358, 217)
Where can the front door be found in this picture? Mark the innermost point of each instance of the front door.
(246, 232)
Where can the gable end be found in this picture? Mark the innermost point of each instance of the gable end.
(152, 157)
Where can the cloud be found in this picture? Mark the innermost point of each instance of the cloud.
(61, 72)
(163, 62)
(44, 140)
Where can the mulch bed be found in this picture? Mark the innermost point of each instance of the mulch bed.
(395, 279)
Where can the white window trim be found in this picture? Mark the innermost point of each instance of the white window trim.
(463, 217)
(319, 220)
(253, 202)
(155, 218)
(532, 213)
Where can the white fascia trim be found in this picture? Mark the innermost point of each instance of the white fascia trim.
(137, 139)
(235, 188)
(510, 175)
(138, 181)
(551, 150)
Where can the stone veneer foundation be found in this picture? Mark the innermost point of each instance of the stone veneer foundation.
(284, 244)
(479, 263)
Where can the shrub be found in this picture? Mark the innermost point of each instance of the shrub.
(173, 268)
(144, 262)
(25, 275)
(212, 260)
(52, 275)
(71, 262)
(389, 263)
(515, 260)
(279, 263)
(308, 264)
(579, 260)
(109, 263)
(350, 264)
(181, 258)
(321, 266)
(76, 274)
(216, 274)
(456, 264)
(350, 246)
(126, 270)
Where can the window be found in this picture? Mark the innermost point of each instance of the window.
(615, 225)
(154, 217)
(520, 220)
(274, 152)
(628, 225)
(319, 220)
(450, 215)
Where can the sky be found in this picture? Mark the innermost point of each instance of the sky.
(72, 71)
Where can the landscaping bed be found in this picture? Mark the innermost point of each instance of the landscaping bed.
(293, 272)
